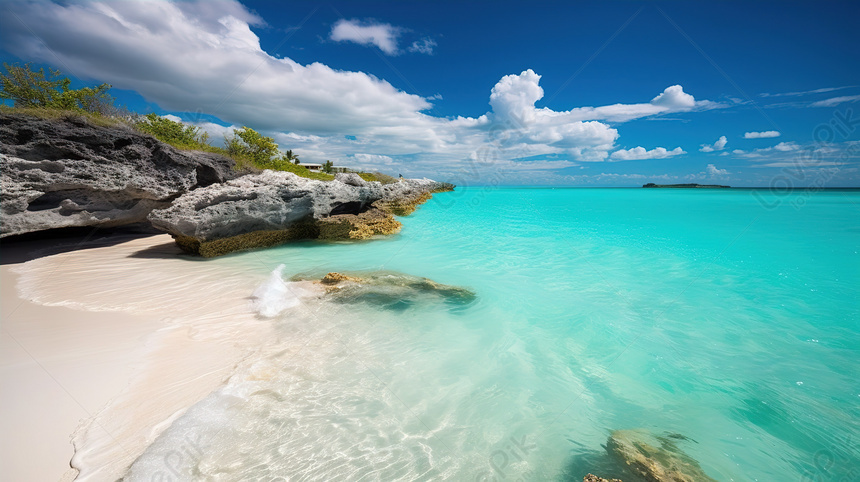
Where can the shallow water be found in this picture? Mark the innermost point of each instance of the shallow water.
(727, 316)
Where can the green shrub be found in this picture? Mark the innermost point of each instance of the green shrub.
(174, 133)
(377, 176)
(252, 145)
(27, 88)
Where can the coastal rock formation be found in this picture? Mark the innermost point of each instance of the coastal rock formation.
(402, 198)
(68, 173)
(389, 289)
(655, 458)
(272, 207)
(257, 210)
(594, 478)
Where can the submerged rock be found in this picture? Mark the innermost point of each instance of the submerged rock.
(594, 478)
(655, 458)
(59, 173)
(389, 289)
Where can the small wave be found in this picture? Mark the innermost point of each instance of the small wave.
(275, 296)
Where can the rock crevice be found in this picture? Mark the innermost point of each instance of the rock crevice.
(67, 173)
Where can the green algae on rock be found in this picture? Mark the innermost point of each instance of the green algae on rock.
(655, 458)
(389, 289)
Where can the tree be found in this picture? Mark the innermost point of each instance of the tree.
(290, 157)
(28, 88)
(248, 143)
(327, 165)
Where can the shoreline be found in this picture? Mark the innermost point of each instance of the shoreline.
(88, 357)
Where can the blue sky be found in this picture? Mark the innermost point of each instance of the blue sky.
(553, 93)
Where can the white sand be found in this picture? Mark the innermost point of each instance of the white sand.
(123, 337)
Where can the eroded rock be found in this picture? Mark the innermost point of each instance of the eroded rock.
(257, 210)
(389, 289)
(594, 478)
(270, 208)
(655, 458)
(67, 173)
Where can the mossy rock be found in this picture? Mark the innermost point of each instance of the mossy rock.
(655, 458)
(246, 241)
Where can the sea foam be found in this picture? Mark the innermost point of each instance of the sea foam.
(275, 296)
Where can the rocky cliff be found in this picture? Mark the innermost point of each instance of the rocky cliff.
(68, 173)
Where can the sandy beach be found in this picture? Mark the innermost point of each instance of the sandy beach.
(104, 344)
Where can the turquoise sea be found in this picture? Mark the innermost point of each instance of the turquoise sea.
(729, 317)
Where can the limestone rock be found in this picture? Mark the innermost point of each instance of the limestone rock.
(594, 478)
(60, 173)
(364, 225)
(272, 207)
(389, 289)
(402, 198)
(257, 210)
(335, 278)
(655, 458)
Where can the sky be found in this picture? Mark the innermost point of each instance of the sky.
(486, 93)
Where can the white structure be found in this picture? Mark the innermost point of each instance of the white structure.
(311, 167)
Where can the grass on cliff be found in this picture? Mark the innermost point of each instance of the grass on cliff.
(62, 114)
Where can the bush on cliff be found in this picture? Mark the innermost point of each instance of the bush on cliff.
(249, 146)
(27, 88)
(174, 133)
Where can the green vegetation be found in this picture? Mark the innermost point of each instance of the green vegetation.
(49, 96)
(32, 89)
(174, 133)
(377, 176)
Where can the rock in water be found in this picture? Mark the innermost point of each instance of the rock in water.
(257, 210)
(389, 289)
(59, 173)
(594, 478)
(655, 458)
(273, 207)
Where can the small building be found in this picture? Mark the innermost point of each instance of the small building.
(311, 167)
(339, 169)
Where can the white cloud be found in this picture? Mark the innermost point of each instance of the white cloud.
(423, 46)
(782, 147)
(382, 35)
(836, 101)
(807, 92)
(639, 153)
(674, 97)
(201, 56)
(761, 135)
(716, 146)
(713, 171)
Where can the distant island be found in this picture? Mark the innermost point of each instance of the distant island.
(712, 186)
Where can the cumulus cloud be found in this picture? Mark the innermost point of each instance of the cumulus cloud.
(716, 146)
(761, 135)
(639, 153)
(713, 171)
(782, 147)
(423, 46)
(201, 56)
(381, 35)
(674, 97)
(836, 101)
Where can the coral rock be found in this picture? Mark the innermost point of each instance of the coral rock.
(655, 458)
